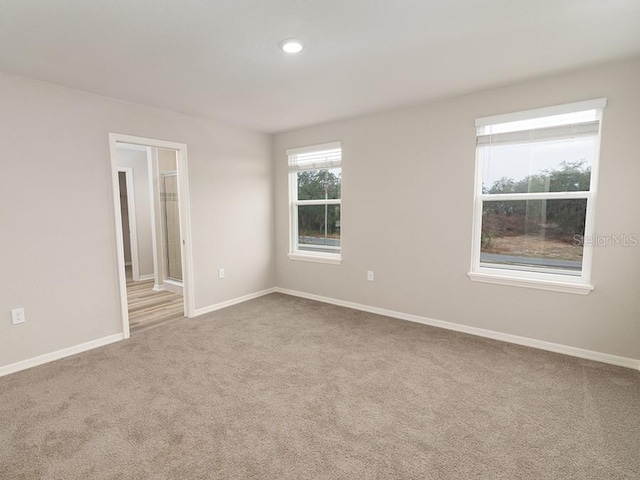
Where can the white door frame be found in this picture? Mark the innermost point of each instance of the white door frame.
(185, 220)
(133, 230)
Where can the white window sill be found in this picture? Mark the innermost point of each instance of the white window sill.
(539, 284)
(331, 259)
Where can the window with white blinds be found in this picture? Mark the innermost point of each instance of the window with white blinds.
(315, 197)
(536, 177)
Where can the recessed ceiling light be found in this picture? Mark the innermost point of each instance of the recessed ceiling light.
(291, 45)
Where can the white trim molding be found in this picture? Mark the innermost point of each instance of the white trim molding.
(539, 284)
(233, 301)
(58, 354)
(480, 332)
(318, 258)
(172, 286)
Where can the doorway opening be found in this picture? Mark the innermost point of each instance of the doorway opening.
(151, 195)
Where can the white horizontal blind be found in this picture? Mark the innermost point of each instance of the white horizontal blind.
(555, 110)
(315, 158)
(586, 129)
(573, 120)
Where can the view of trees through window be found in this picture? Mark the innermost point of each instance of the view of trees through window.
(319, 222)
(544, 233)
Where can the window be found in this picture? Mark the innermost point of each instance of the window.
(315, 197)
(536, 176)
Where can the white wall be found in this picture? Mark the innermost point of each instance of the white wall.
(137, 160)
(407, 213)
(57, 229)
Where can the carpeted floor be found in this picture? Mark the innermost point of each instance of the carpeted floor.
(286, 388)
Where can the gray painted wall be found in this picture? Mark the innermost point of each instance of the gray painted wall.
(57, 219)
(407, 214)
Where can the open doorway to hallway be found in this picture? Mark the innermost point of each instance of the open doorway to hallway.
(149, 206)
(151, 191)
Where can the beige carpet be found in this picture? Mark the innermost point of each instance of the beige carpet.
(285, 388)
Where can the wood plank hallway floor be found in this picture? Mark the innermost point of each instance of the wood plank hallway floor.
(148, 307)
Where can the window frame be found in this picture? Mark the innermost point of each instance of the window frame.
(295, 253)
(543, 280)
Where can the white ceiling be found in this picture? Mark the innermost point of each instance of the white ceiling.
(220, 58)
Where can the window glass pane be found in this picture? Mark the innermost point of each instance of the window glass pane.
(319, 228)
(551, 166)
(319, 184)
(533, 235)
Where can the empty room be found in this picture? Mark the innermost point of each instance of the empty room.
(320, 239)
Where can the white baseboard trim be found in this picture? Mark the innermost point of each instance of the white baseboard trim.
(480, 332)
(171, 286)
(233, 301)
(58, 354)
(147, 277)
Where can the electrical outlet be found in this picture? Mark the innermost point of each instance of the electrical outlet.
(221, 273)
(370, 275)
(17, 316)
